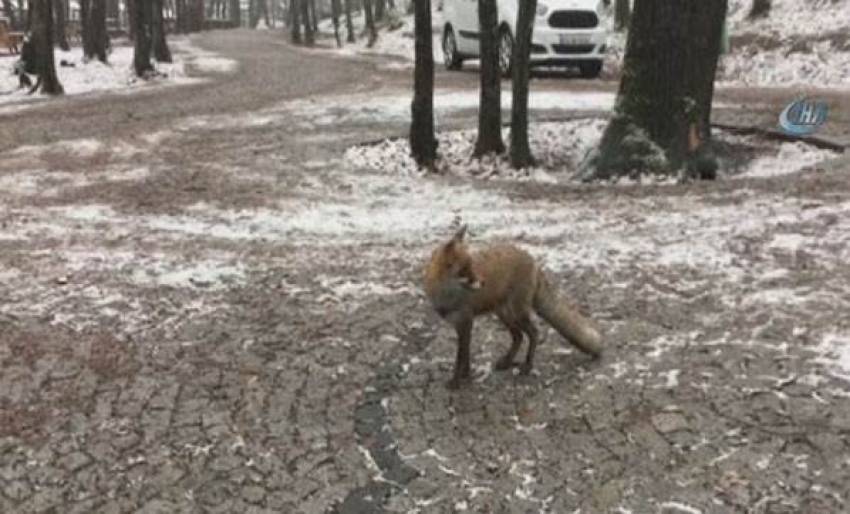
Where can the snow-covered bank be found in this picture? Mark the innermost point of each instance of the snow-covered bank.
(78, 77)
(560, 148)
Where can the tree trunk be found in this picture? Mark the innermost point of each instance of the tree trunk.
(85, 28)
(309, 39)
(349, 24)
(662, 119)
(253, 17)
(295, 15)
(520, 149)
(93, 14)
(423, 143)
(10, 13)
(490, 108)
(113, 9)
(314, 20)
(370, 23)
(235, 13)
(142, 52)
(263, 10)
(180, 15)
(760, 9)
(335, 8)
(42, 34)
(380, 8)
(161, 52)
(622, 14)
(60, 17)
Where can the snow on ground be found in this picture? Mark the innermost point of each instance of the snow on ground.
(560, 148)
(397, 43)
(393, 106)
(78, 77)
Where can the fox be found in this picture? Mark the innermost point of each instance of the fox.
(505, 280)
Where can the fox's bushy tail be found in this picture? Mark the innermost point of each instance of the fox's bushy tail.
(566, 319)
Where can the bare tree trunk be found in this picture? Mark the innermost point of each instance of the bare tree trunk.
(253, 17)
(662, 120)
(93, 13)
(335, 8)
(380, 8)
(520, 148)
(264, 10)
(295, 15)
(60, 16)
(309, 38)
(314, 20)
(142, 53)
(423, 143)
(760, 9)
(349, 24)
(370, 23)
(161, 52)
(622, 14)
(235, 13)
(113, 10)
(10, 13)
(490, 108)
(42, 34)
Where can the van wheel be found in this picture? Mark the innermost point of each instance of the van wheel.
(590, 69)
(506, 52)
(450, 56)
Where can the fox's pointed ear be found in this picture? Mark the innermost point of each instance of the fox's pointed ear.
(460, 234)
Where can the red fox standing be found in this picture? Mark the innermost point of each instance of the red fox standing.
(505, 280)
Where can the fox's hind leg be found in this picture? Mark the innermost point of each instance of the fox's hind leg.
(530, 330)
(514, 328)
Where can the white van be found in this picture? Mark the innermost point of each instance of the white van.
(566, 33)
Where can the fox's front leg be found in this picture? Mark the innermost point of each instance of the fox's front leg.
(463, 366)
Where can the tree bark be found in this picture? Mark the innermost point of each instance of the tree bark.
(370, 28)
(42, 34)
(349, 24)
(235, 13)
(93, 14)
(295, 14)
(760, 9)
(662, 121)
(335, 8)
(520, 148)
(142, 52)
(10, 13)
(314, 19)
(423, 143)
(622, 14)
(161, 52)
(113, 10)
(264, 11)
(309, 38)
(490, 107)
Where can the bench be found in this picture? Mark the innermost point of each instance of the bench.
(11, 40)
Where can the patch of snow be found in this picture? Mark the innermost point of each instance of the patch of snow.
(117, 76)
(674, 506)
(559, 148)
(835, 354)
(204, 274)
(789, 158)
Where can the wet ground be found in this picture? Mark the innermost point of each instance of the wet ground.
(203, 308)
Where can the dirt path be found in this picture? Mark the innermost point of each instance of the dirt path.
(204, 309)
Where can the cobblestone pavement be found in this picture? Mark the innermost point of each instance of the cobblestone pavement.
(203, 308)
